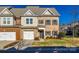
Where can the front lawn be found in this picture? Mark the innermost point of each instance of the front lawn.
(67, 42)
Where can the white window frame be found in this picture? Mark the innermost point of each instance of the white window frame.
(6, 21)
(56, 23)
(29, 21)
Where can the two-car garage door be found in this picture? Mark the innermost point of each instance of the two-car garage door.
(7, 35)
(28, 35)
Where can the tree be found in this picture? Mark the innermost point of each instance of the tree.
(75, 14)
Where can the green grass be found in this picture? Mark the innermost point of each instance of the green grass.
(56, 41)
(68, 42)
(49, 43)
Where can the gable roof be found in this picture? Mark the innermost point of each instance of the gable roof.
(3, 7)
(29, 12)
(54, 11)
(6, 12)
(37, 11)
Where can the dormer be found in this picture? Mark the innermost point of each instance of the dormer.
(29, 13)
(48, 12)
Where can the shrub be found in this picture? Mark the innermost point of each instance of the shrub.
(62, 34)
(49, 37)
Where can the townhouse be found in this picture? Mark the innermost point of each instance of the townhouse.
(28, 23)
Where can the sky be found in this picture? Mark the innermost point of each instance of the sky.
(65, 11)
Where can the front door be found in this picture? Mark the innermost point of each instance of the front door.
(41, 33)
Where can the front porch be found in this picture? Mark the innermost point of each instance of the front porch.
(41, 33)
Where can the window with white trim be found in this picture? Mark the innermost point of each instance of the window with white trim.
(29, 21)
(47, 22)
(41, 21)
(54, 22)
(48, 33)
(6, 20)
(54, 33)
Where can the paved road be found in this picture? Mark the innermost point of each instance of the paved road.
(45, 50)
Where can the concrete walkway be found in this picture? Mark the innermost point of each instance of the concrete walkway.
(20, 45)
(23, 44)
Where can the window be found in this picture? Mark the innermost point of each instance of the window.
(54, 33)
(47, 22)
(54, 22)
(4, 20)
(48, 33)
(40, 21)
(8, 20)
(29, 21)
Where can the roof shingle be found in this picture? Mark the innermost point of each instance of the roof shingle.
(37, 11)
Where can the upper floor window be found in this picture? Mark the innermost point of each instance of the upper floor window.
(6, 20)
(29, 21)
(54, 22)
(40, 21)
(48, 22)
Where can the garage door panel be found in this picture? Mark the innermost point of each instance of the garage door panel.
(28, 35)
(7, 35)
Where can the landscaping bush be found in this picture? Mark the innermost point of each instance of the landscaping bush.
(49, 37)
(62, 34)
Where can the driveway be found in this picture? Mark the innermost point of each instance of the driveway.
(4, 43)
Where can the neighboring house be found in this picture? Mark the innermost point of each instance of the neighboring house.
(28, 23)
(63, 28)
(68, 29)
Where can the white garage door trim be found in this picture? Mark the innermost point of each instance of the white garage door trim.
(7, 35)
(28, 35)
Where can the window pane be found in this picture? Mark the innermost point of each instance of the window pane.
(48, 22)
(27, 21)
(54, 33)
(4, 20)
(8, 20)
(48, 33)
(54, 22)
(31, 21)
(40, 21)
